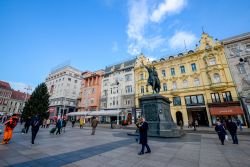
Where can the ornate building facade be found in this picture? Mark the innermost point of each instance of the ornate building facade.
(237, 50)
(198, 83)
(89, 99)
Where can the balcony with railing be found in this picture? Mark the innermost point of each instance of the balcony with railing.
(219, 86)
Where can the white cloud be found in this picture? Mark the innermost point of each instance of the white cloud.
(20, 86)
(179, 39)
(142, 15)
(151, 58)
(115, 47)
(167, 7)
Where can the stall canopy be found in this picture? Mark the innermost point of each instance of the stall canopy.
(234, 110)
(96, 113)
(82, 113)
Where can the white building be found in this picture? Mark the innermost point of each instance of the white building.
(64, 87)
(118, 90)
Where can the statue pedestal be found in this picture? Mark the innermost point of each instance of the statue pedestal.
(156, 110)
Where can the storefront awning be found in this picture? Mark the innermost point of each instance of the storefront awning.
(105, 113)
(233, 110)
(82, 113)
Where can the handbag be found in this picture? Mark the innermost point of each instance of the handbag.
(226, 137)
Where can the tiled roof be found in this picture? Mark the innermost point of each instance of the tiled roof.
(4, 85)
(18, 95)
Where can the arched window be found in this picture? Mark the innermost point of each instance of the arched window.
(196, 82)
(185, 84)
(216, 78)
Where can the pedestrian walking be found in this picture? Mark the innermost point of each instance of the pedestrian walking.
(59, 126)
(35, 124)
(47, 123)
(73, 122)
(239, 124)
(44, 123)
(143, 130)
(194, 125)
(8, 129)
(181, 124)
(64, 123)
(220, 129)
(232, 128)
(82, 122)
(27, 124)
(94, 123)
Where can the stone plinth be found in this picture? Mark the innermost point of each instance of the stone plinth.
(156, 110)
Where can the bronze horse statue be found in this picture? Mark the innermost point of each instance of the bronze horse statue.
(153, 79)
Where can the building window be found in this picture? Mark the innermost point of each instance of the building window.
(215, 97)
(196, 82)
(142, 89)
(163, 72)
(194, 99)
(128, 77)
(174, 85)
(227, 96)
(200, 99)
(141, 76)
(212, 61)
(216, 78)
(69, 79)
(193, 65)
(182, 68)
(75, 81)
(165, 88)
(177, 101)
(105, 92)
(172, 71)
(128, 89)
(188, 100)
(241, 68)
(185, 84)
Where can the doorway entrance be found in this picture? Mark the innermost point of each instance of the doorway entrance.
(199, 114)
(178, 117)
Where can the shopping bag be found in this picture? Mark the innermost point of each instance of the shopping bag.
(226, 137)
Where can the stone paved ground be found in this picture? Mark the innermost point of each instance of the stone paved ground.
(113, 147)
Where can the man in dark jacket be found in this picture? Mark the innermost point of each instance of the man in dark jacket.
(27, 125)
(35, 124)
(219, 128)
(59, 126)
(232, 128)
(143, 130)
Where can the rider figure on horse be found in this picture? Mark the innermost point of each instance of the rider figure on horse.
(153, 79)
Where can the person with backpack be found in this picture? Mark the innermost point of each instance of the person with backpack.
(35, 124)
(220, 129)
(9, 127)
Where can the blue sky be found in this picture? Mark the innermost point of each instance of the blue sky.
(36, 36)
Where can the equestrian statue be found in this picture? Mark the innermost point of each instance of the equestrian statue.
(153, 79)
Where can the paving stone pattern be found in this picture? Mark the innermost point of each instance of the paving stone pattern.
(113, 147)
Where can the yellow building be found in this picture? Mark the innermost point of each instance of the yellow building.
(198, 83)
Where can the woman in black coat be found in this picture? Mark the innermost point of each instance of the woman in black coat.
(219, 128)
(143, 130)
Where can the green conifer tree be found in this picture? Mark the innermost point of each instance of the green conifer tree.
(38, 103)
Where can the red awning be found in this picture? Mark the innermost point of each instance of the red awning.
(232, 110)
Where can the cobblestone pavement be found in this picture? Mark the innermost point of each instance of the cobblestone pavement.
(113, 147)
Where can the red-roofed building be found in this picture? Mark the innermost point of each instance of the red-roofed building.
(17, 101)
(5, 95)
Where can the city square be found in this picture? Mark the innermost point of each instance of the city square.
(124, 83)
(113, 147)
